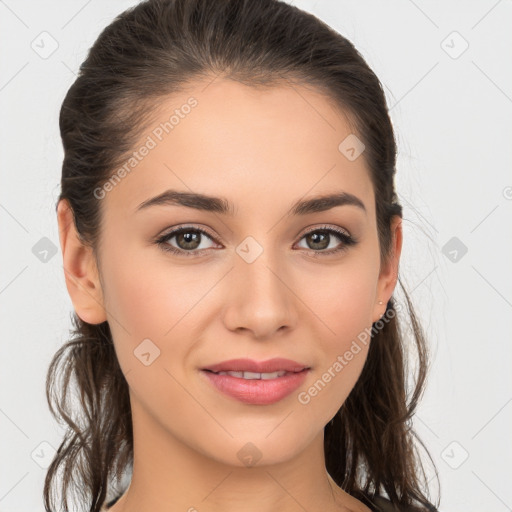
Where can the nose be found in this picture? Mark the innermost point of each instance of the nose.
(261, 298)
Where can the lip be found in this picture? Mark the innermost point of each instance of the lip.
(257, 391)
(249, 365)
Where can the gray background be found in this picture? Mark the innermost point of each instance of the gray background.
(451, 107)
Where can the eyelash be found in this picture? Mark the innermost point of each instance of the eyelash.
(347, 240)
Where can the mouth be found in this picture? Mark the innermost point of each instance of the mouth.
(257, 382)
(250, 369)
(257, 375)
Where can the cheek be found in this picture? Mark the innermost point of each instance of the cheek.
(136, 308)
(343, 298)
(142, 293)
(341, 302)
(149, 298)
(147, 314)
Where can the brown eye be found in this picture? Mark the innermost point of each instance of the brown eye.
(319, 240)
(188, 241)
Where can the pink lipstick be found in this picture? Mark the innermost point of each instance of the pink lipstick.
(257, 383)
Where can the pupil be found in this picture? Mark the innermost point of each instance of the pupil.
(315, 237)
(189, 236)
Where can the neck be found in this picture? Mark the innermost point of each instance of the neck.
(171, 475)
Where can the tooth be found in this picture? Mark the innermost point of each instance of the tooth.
(236, 374)
(252, 375)
(274, 375)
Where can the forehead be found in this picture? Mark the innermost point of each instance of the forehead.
(228, 139)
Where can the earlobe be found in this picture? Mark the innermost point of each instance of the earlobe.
(80, 269)
(389, 273)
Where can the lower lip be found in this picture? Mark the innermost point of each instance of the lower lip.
(257, 391)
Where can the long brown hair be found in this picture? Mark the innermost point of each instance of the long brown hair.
(155, 49)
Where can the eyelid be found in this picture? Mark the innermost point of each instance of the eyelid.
(193, 227)
(325, 226)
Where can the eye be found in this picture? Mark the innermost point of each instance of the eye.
(319, 240)
(188, 239)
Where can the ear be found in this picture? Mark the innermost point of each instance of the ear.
(80, 270)
(388, 276)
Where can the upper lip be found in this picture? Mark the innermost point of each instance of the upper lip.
(249, 365)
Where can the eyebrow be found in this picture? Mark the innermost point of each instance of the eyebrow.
(221, 205)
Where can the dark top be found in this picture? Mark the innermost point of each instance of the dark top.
(375, 503)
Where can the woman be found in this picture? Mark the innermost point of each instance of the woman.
(231, 239)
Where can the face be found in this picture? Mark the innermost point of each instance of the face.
(258, 281)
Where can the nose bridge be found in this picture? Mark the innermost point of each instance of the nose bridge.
(258, 266)
(261, 300)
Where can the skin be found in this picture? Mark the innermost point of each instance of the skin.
(263, 150)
